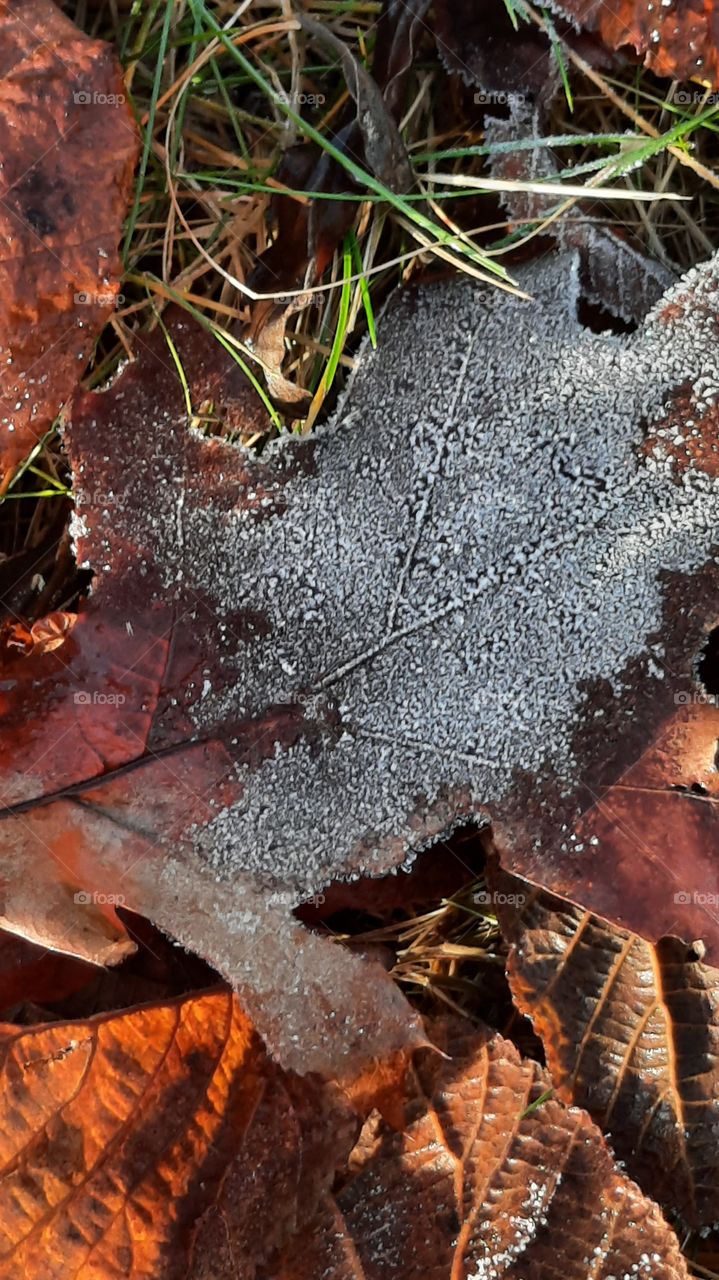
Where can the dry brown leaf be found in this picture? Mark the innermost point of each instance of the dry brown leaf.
(67, 153)
(157, 1144)
(631, 1033)
(484, 1185)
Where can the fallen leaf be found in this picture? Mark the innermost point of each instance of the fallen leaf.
(473, 593)
(384, 151)
(31, 975)
(42, 636)
(509, 62)
(67, 155)
(615, 275)
(157, 1143)
(642, 854)
(517, 71)
(491, 1180)
(680, 41)
(482, 45)
(630, 1034)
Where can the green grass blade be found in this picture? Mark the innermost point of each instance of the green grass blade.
(177, 363)
(149, 128)
(338, 340)
(364, 289)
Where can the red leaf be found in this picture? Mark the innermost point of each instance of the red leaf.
(680, 41)
(67, 155)
(643, 852)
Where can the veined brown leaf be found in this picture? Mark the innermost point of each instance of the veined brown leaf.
(631, 1033)
(484, 1184)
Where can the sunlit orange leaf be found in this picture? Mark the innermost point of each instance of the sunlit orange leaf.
(491, 1180)
(67, 153)
(631, 1033)
(382, 1085)
(157, 1144)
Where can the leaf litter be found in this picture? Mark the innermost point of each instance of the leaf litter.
(629, 1030)
(158, 1141)
(163, 713)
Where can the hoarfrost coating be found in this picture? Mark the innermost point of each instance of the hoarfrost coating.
(480, 534)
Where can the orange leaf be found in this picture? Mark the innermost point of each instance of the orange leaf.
(43, 636)
(156, 1144)
(677, 40)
